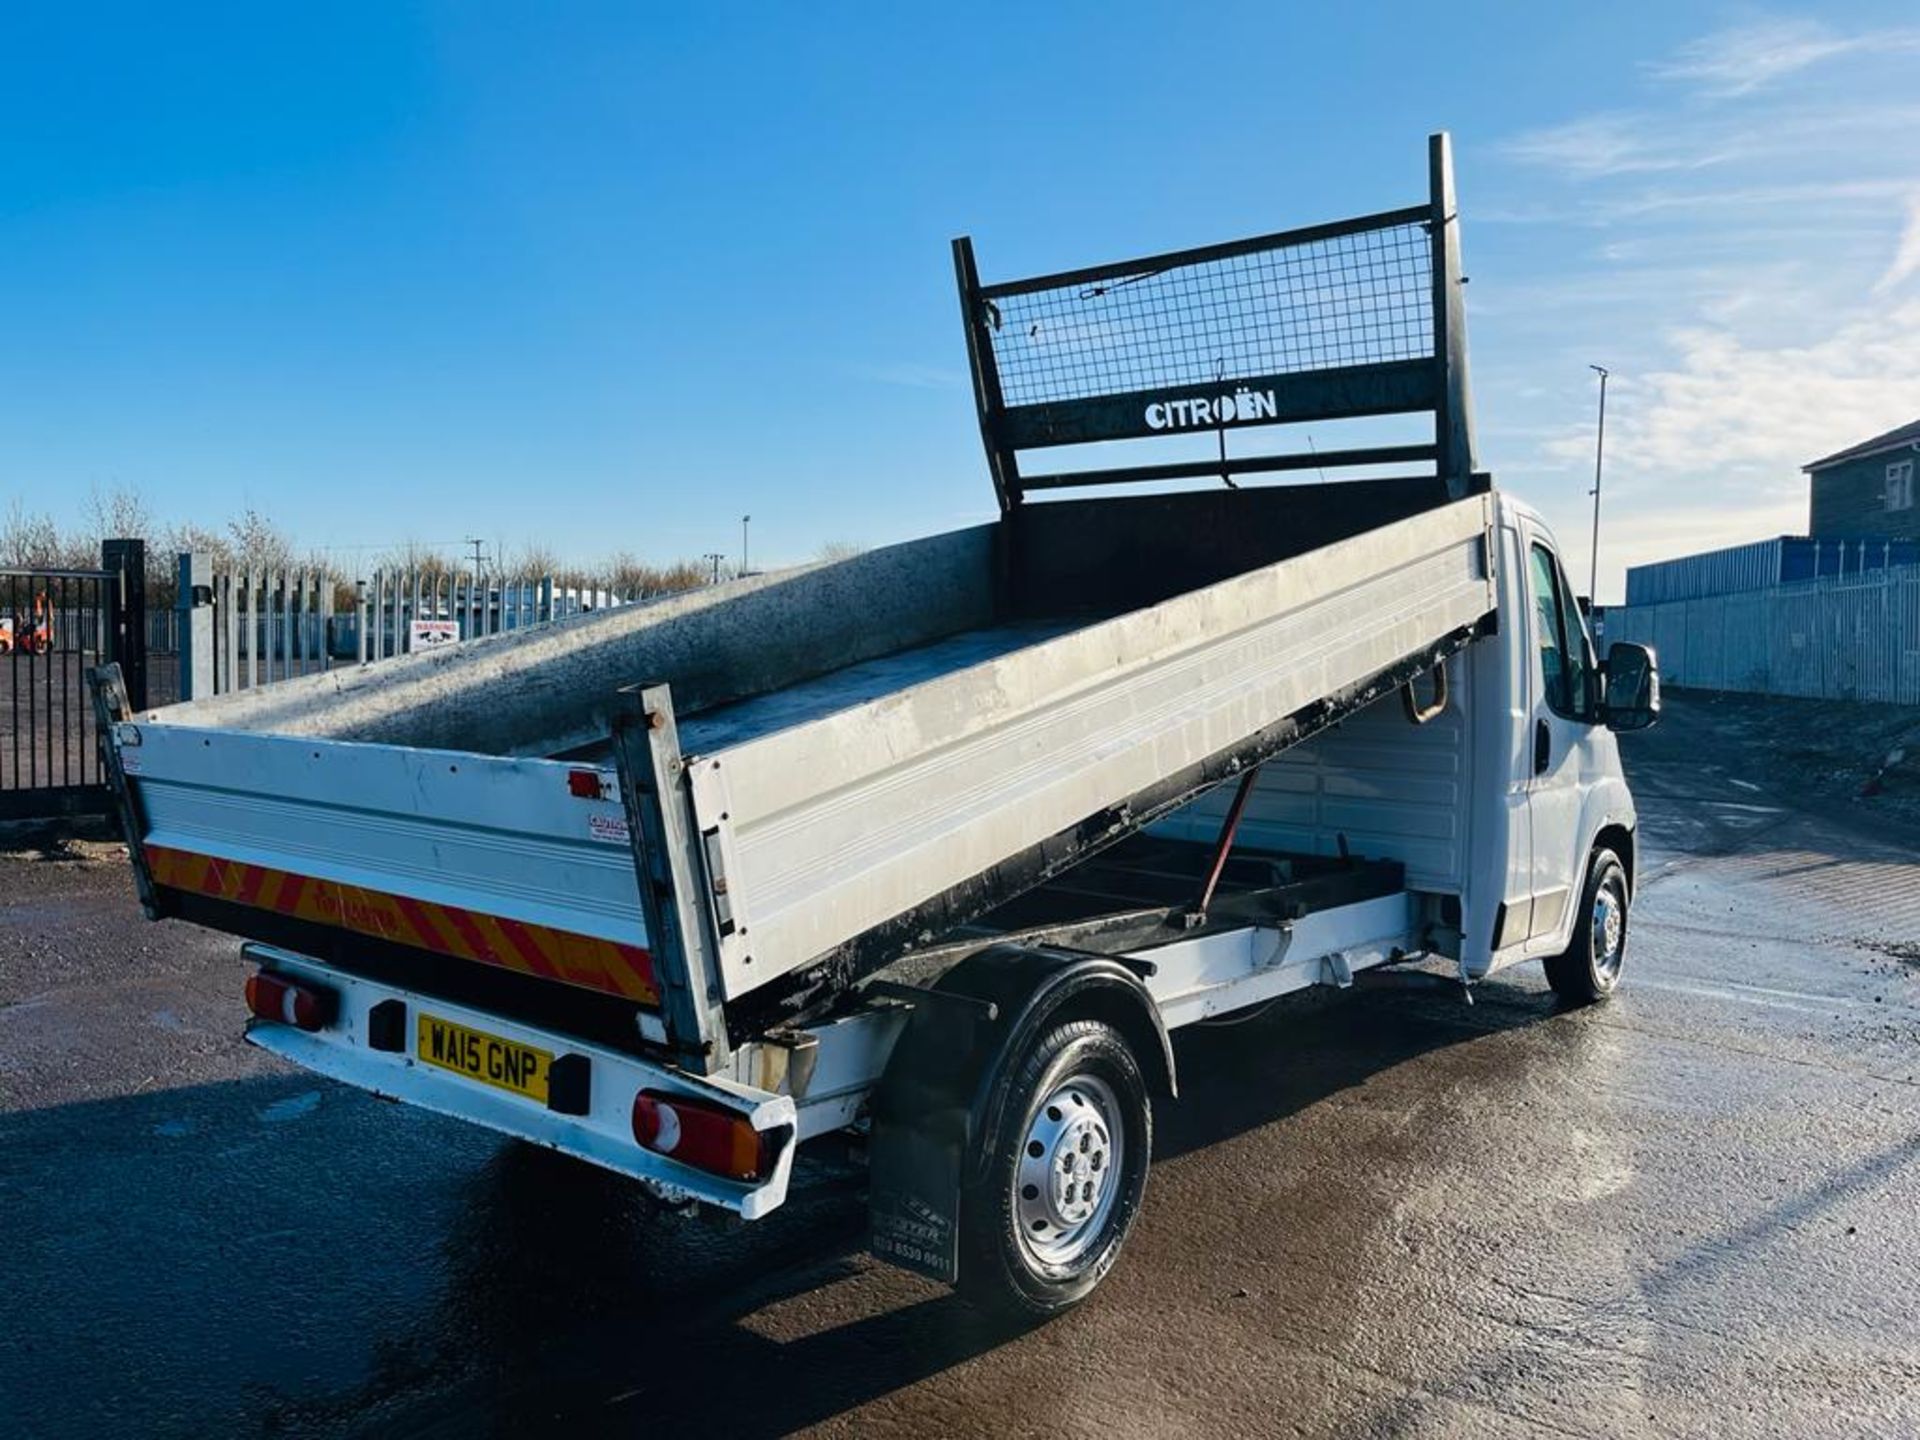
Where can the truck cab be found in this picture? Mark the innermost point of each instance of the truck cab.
(1570, 802)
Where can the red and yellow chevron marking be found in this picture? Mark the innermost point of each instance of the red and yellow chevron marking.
(608, 965)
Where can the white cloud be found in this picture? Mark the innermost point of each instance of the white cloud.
(1781, 199)
(1611, 145)
(1876, 134)
(1739, 61)
(912, 376)
(1906, 256)
(1738, 420)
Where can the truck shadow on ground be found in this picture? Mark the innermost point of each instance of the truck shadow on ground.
(280, 1255)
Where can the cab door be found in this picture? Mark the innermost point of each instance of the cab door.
(1560, 738)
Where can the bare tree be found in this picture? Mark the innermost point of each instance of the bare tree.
(681, 575)
(198, 539)
(259, 544)
(251, 541)
(626, 575)
(29, 539)
(840, 550)
(531, 561)
(117, 514)
(417, 556)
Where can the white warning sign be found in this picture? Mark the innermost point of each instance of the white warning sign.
(431, 634)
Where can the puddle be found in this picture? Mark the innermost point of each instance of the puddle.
(294, 1107)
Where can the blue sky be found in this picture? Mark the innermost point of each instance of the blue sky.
(606, 277)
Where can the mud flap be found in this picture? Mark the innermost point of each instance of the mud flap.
(915, 1214)
(921, 1128)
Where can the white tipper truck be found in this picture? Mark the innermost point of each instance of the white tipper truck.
(929, 849)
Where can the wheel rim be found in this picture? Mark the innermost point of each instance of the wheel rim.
(1069, 1172)
(1609, 930)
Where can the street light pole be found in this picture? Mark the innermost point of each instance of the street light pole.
(743, 543)
(1599, 451)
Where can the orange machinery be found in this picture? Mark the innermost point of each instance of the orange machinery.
(31, 635)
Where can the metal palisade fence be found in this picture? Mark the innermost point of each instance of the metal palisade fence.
(241, 629)
(398, 612)
(1852, 637)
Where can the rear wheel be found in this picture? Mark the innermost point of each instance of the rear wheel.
(1067, 1170)
(1589, 969)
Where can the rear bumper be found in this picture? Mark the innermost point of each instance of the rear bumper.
(603, 1135)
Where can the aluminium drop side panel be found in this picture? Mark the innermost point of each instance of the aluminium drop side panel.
(831, 828)
(390, 841)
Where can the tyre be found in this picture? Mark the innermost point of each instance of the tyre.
(1067, 1167)
(1589, 969)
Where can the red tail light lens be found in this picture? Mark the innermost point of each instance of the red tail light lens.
(704, 1135)
(274, 997)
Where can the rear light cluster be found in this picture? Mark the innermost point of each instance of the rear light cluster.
(274, 997)
(700, 1133)
(704, 1135)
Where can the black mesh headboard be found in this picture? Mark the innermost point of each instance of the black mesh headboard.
(1359, 317)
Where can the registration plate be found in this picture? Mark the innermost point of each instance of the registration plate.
(505, 1064)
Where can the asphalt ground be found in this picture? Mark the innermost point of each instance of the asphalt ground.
(1694, 1210)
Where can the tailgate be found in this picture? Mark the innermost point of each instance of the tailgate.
(516, 863)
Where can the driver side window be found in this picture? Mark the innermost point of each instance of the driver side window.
(1562, 641)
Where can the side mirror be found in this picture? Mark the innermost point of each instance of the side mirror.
(1633, 687)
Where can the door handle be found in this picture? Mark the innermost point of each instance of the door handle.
(1542, 747)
